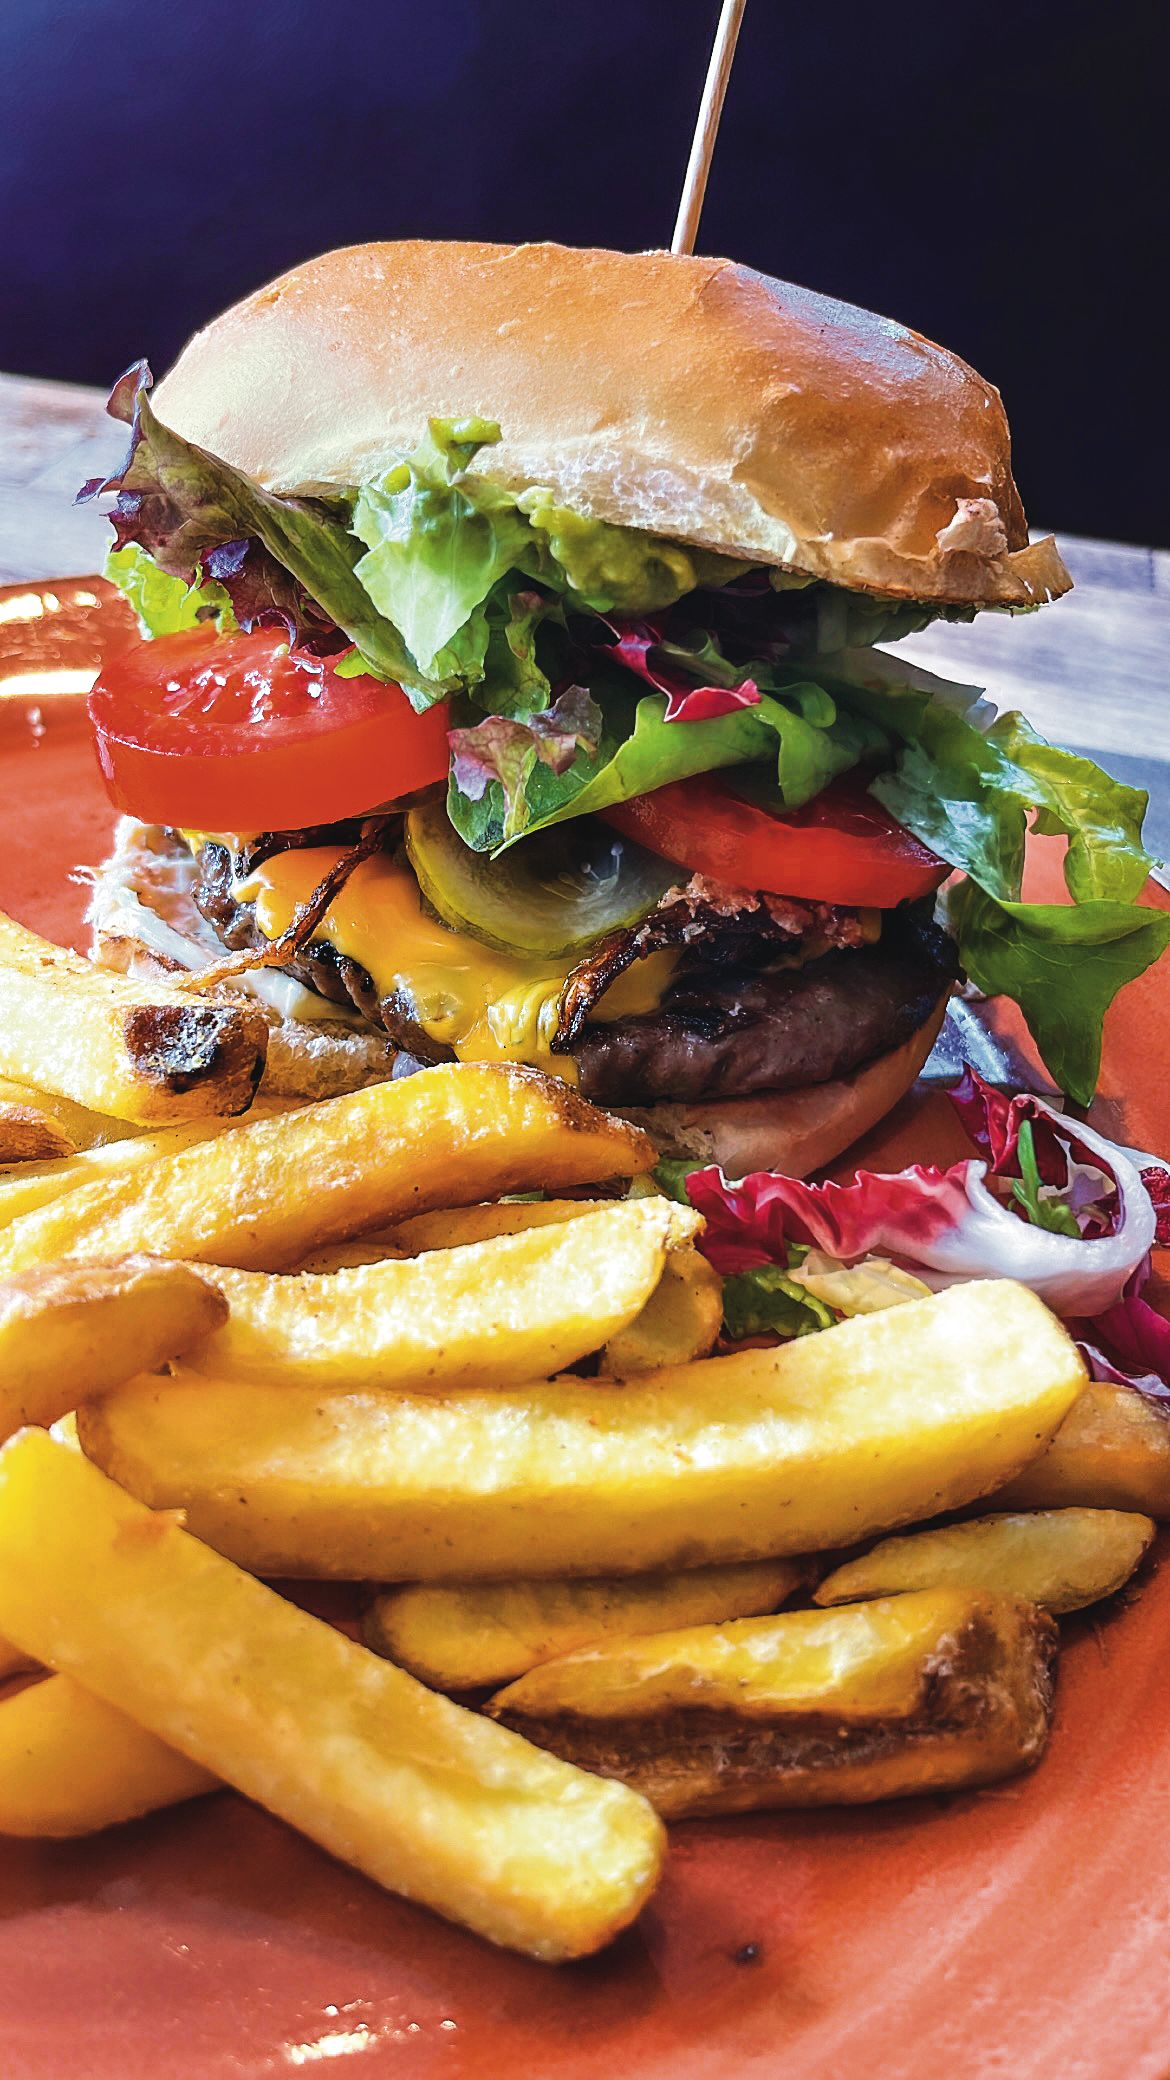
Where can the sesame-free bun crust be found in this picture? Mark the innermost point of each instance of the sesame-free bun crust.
(690, 397)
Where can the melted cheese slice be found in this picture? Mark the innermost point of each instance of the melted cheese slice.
(487, 1006)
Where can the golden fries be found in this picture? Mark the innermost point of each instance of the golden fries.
(1060, 1558)
(71, 1764)
(915, 1693)
(271, 1191)
(493, 1314)
(881, 1421)
(1112, 1451)
(28, 1135)
(82, 1128)
(74, 1330)
(13, 1662)
(680, 1321)
(467, 1635)
(138, 1051)
(426, 1798)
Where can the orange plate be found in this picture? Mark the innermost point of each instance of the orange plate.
(1020, 1931)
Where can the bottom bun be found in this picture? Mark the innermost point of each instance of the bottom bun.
(145, 922)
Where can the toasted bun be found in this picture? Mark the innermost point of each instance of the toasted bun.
(691, 397)
(144, 922)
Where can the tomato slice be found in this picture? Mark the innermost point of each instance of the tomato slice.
(842, 847)
(238, 733)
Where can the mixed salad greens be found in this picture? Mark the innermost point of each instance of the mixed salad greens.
(587, 664)
(1047, 1201)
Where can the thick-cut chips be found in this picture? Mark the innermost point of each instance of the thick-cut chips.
(467, 1635)
(884, 1420)
(13, 1662)
(138, 1051)
(1060, 1558)
(915, 1693)
(71, 1764)
(495, 1313)
(73, 1330)
(426, 1798)
(266, 1194)
(30, 1135)
(1112, 1451)
(81, 1127)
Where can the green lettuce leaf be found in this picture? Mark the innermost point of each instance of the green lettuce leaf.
(1063, 965)
(166, 605)
(640, 750)
(766, 1301)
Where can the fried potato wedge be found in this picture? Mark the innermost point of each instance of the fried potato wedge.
(75, 1329)
(916, 1693)
(13, 1662)
(265, 1195)
(27, 1186)
(29, 1135)
(81, 1127)
(681, 1319)
(71, 1764)
(493, 1314)
(135, 1050)
(467, 1635)
(428, 1799)
(1059, 1558)
(881, 1421)
(1112, 1451)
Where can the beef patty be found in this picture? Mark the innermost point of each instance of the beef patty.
(727, 1027)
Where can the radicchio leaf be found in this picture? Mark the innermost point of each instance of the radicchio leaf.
(945, 1225)
(1070, 1159)
(506, 748)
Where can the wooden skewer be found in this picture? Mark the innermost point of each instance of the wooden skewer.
(706, 127)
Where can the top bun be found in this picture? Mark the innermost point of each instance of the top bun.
(690, 397)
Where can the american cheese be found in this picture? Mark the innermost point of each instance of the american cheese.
(487, 1006)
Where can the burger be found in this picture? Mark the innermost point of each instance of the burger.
(513, 685)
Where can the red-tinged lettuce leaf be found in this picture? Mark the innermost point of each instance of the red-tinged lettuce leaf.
(503, 750)
(263, 593)
(181, 503)
(686, 700)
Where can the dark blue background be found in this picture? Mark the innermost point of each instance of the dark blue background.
(991, 174)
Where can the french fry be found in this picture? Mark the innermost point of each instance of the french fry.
(915, 1693)
(884, 1420)
(71, 1764)
(29, 1135)
(428, 1799)
(467, 1635)
(73, 1330)
(496, 1313)
(85, 1129)
(680, 1321)
(1112, 1451)
(27, 1186)
(1060, 1558)
(267, 1194)
(13, 1662)
(138, 1051)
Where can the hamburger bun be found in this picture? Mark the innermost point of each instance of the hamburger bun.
(693, 398)
(144, 922)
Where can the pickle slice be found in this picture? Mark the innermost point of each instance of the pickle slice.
(555, 893)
